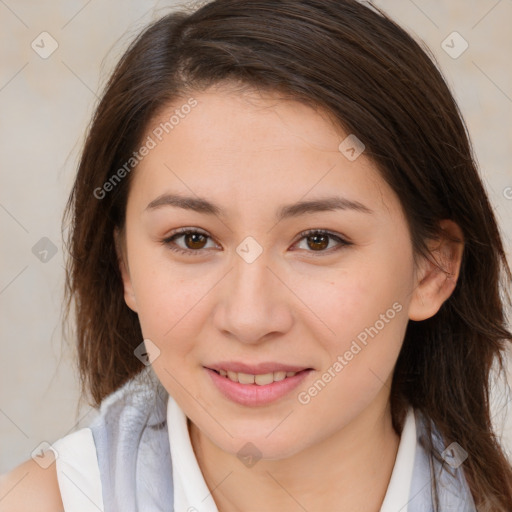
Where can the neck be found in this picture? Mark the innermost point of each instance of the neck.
(350, 469)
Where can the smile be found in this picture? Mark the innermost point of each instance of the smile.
(261, 379)
(256, 389)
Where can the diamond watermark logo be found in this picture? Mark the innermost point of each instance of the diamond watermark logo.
(351, 147)
(249, 454)
(44, 250)
(454, 45)
(454, 455)
(147, 352)
(44, 45)
(249, 250)
(43, 455)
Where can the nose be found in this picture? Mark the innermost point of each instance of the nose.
(256, 305)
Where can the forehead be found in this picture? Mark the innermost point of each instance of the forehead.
(245, 146)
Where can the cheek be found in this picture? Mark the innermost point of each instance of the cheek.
(357, 298)
(364, 307)
(369, 322)
(167, 300)
(169, 307)
(170, 316)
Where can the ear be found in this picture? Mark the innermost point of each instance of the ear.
(436, 282)
(129, 295)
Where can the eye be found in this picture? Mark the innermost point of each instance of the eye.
(318, 240)
(194, 241)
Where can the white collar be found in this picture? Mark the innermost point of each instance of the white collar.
(397, 495)
(192, 494)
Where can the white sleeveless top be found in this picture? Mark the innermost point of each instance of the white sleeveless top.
(80, 484)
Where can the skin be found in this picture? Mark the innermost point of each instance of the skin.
(30, 487)
(296, 304)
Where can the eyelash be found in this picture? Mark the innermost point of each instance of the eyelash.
(168, 241)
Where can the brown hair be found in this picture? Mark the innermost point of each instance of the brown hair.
(378, 84)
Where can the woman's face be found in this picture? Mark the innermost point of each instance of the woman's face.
(249, 293)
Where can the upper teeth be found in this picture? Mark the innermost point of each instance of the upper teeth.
(261, 380)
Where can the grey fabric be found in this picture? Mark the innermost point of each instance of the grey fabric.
(132, 446)
(453, 491)
(134, 459)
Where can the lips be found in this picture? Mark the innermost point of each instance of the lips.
(260, 374)
(254, 385)
(255, 369)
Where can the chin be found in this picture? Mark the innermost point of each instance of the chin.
(259, 446)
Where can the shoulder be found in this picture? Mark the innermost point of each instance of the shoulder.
(66, 477)
(88, 454)
(30, 487)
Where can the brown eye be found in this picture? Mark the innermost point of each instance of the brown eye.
(195, 240)
(318, 242)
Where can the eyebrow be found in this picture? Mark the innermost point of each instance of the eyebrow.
(201, 205)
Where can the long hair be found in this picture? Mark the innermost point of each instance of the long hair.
(377, 83)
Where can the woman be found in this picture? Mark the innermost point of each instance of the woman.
(286, 274)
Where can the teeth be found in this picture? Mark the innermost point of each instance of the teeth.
(266, 378)
(233, 376)
(279, 376)
(245, 378)
(260, 380)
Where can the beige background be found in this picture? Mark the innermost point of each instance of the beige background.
(45, 107)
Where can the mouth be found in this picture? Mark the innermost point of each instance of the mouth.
(261, 379)
(256, 385)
